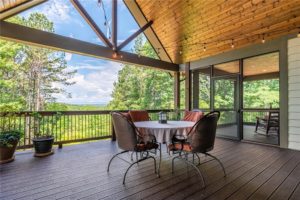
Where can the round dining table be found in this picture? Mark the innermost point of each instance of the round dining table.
(163, 132)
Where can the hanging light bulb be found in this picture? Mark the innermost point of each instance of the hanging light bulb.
(180, 52)
(298, 34)
(263, 39)
(204, 47)
(158, 52)
(232, 44)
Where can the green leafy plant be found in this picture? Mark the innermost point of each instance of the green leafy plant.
(7, 138)
(8, 120)
(44, 125)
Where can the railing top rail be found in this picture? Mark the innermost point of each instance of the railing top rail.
(92, 112)
(259, 109)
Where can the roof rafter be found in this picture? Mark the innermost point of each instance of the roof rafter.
(19, 8)
(134, 35)
(114, 14)
(91, 22)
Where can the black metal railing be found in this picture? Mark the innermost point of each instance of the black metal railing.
(68, 126)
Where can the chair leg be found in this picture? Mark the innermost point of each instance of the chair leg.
(173, 162)
(113, 158)
(140, 160)
(256, 126)
(191, 164)
(218, 162)
(198, 158)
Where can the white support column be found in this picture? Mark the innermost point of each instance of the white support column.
(294, 93)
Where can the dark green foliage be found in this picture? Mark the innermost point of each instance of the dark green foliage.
(9, 137)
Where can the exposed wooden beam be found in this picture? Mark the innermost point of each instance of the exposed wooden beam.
(20, 8)
(134, 35)
(114, 16)
(91, 22)
(140, 18)
(36, 37)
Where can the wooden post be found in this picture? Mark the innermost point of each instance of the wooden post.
(187, 87)
(177, 93)
(195, 90)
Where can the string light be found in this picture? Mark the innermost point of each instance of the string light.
(204, 47)
(232, 44)
(263, 39)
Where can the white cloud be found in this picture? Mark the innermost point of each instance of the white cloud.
(68, 56)
(94, 87)
(132, 30)
(57, 11)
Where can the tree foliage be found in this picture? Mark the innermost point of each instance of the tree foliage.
(29, 76)
(141, 87)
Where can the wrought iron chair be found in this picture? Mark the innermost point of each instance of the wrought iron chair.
(200, 139)
(129, 140)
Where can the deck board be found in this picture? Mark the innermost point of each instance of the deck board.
(79, 172)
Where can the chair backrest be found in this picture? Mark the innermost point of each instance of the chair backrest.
(125, 132)
(203, 137)
(139, 115)
(273, 116)
(192, 116)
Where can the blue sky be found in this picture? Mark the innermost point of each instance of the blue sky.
(95, 77)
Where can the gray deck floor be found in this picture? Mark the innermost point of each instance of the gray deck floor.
(79, 172)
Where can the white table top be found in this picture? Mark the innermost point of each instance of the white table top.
(163, 132)
(168, 125)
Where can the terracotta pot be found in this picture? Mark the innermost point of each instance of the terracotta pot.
(43, 146)
(7, 153)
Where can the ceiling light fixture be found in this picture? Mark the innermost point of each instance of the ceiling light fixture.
(232, 44)
(263, 39)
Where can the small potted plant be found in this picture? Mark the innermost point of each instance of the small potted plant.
(8, 144)
(9, 136)
(43, 134)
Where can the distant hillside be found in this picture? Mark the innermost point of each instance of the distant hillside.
(69, 107)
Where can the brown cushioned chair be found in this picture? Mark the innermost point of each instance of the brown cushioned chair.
(192, 116)
(200, 139)
(129, 140)
(139, 115)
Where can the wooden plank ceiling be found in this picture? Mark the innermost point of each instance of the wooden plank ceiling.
(187, 27)
(8, 4)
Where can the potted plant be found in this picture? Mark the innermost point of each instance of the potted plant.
(8, 144)
(43, 134)
(9, 135)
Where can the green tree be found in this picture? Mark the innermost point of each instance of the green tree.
(30, 75)
(142, 87)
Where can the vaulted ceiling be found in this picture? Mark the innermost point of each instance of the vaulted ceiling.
(193, 29)
(187, 30)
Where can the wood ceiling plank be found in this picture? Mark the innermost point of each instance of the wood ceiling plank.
(186, 25)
